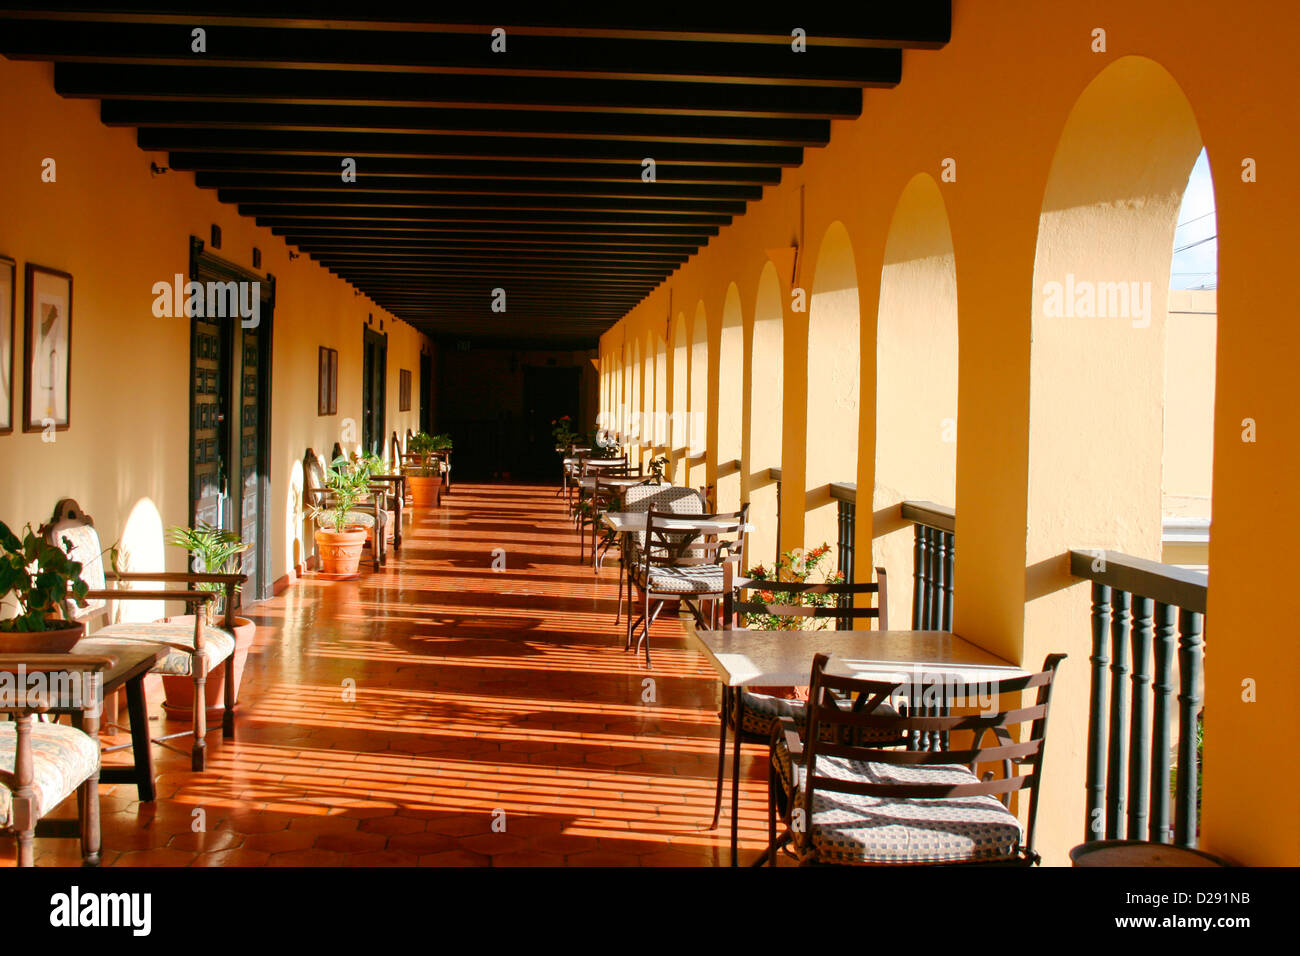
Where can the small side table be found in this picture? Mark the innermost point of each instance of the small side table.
(1140, 853)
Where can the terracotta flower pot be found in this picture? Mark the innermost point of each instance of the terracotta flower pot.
(178, 699)
(60, 638)
(340, 551)
(425, 490)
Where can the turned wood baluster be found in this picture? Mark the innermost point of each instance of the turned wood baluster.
(918, 576)
(1092, 829)
(1190, 661)
(1139, 754)
(1116, 768)
(1163, 699)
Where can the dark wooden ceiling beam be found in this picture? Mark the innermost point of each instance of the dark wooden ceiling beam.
(368, 119)
(407, 51)
(451, 146)
(290, 183)
(543, 94)
(561, 231)
(921, 24)
(343, 198)
(416, 169)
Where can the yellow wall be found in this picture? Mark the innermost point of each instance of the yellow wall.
(117, 229)
(1060, 442)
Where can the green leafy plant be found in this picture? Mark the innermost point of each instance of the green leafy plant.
(603, 445)
(424, 445)
(40, 578)
(347, 482)
(216, 551)
(804, 567)
(442, 442)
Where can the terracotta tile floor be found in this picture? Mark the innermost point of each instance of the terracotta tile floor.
(390, 721)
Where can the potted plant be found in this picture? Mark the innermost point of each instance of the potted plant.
(40, 579)
(562, 431)
(425, 476)
(338, 540)
(216, 551)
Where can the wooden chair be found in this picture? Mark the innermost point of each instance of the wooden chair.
(42, 764)
(862, 804)
(685, 567)
(761, 712)
(196, 650)
(370, 513)
(587, 468)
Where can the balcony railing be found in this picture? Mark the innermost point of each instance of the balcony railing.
(846, 519)
(1137, 608)
(932, 563)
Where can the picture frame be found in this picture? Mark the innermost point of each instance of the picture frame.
(404, 390)
(47, 349)
(8, 299)
(327, 373)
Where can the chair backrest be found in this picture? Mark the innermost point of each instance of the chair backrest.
(336, 452)
(72, 530)
(668, 546)
(313, 479)
(825, 600)
(831, 729)
(679, 501)
(605, 466)
(395, 450)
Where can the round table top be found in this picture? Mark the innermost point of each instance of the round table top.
(1140, 853)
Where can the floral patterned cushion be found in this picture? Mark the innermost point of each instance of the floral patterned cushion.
(218, 644)
(62, 758)
(850, 828)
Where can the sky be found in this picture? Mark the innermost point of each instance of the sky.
(1196, 248)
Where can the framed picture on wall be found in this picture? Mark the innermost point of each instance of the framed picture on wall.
(8, 276)
(327, 401)
(404, 390)
(47, 349)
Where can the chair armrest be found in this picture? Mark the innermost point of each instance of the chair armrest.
(190, 577)
(126, 594)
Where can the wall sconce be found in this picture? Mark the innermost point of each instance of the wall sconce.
(156, 170)
(294, 255)
(216, 237)
(257, 258)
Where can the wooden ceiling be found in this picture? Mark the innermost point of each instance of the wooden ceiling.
(478, 170)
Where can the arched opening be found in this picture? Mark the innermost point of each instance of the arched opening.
(660, 424)
(833, 385)
(698, 422)
(1190, 343)
(1100, 305)
(677, 438)
(731, 360)
(634, 402)
(766, 381)
(916, 380)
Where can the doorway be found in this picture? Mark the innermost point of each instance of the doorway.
(230, 409)
(374, 390)
(426, 383)
(549, 392)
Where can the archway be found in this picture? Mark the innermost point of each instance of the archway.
(1097, 373)
(833, 383)
(731, 358)
(698, 419)
(766, 382)
(916, 380)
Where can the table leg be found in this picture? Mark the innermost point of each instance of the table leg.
(735, 776)
(141, 750)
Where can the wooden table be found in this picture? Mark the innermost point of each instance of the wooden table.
(133, 663)
(745, 658)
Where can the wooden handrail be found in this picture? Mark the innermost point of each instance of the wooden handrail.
(929, 514)
(846, 491)
(1164, 583)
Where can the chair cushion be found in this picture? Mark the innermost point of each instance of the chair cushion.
(690, 579)
(781, 754)
(218, 643)
(850, 828)
(62, 758)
